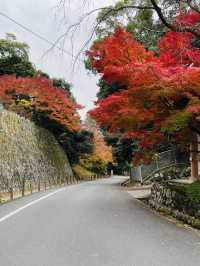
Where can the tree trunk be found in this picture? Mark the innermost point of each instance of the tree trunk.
(194, 159)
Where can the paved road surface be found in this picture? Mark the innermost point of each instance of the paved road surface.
(91, 224)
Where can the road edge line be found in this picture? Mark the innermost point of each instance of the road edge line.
(9, 215)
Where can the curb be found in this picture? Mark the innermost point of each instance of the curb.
(167, 217)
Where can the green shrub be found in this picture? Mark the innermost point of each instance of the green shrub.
(190, 191)
(81, 172)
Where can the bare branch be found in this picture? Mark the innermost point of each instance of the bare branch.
(109, 10)
(72, 29)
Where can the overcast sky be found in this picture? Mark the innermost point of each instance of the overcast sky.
(44, 18)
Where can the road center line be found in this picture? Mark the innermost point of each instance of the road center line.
(29, 204)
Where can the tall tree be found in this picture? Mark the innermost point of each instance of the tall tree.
(161, 94)
(165, 10)
(101, 156)
(77, 144)
(101, 149)
(14, 58)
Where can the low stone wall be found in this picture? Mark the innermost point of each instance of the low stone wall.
(167, 198)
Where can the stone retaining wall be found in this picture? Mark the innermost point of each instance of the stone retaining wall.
(168, 200)
(29, 152)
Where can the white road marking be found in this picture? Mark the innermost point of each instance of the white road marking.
(29, 204)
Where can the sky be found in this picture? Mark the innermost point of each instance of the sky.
(51, 20)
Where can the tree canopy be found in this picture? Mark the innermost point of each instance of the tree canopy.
(160, 95)
(165, 10)
(37, 97)
(140, 22)
(14, 58)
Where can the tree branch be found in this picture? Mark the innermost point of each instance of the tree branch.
(109, 10)
(171, 26)
(195, 8)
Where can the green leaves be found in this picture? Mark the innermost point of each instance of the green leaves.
(14, 59)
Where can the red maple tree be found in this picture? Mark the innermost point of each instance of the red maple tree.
(37, 95)
(161, 95)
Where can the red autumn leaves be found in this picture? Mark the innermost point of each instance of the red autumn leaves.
(38, 95)
(160, 93)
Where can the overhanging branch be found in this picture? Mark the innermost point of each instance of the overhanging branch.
(171, 26)
(195, 8)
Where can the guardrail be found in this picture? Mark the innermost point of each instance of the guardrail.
(161, 160)
(178, 169)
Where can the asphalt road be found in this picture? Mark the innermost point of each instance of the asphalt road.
(91, 224)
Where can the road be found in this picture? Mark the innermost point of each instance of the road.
(91, 224)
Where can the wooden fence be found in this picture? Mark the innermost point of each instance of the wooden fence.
(11, 189)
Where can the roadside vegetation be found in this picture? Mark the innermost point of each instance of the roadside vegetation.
(49, 103)
(147, 57)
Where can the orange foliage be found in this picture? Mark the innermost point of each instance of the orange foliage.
(101, 149)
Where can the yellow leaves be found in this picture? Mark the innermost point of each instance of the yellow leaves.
(24, 102)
